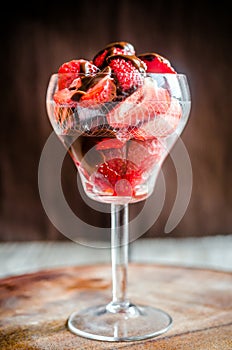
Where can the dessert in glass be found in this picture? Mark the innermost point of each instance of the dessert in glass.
(118, 115)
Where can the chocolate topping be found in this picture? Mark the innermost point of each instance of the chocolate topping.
(88, 82)
(122, 45)
(84, 67)
(91, 80)
(109, 49)
(77, 95)
(150, 56)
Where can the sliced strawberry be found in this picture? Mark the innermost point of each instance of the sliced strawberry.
(161, 125)
(111, 172)
(156, 63)
(123, 188)
(146, 154)
(138, 133)
(70, 70)
(127, 71)
(64, 97)
(144, 104)
(114, 48)
(75, 84)
(109, 143)
(72, 66)
(103, 91)
(112, 153)
(102, 184)
(133, 174)
(99, 59)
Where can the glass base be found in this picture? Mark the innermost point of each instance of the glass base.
(129, 324)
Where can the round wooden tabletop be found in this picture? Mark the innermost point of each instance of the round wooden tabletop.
(35, 307)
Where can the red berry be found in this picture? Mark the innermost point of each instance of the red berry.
(138, 133)
(113, 171)
(146, 154)
(143, 105)
(109, 143)
(70, 70)
(163, 124)
(127, 72)
(156, 63)
(100, 58)
(70, 67)
(64, 97)
(114, 48)
(101, 92)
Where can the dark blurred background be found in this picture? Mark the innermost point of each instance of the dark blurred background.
(37, 39)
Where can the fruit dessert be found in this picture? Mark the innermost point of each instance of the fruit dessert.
(114, 113)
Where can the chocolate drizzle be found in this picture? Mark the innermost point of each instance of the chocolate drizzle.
(77, 95)
(88, 82)
(109, 50)
(149, 56)
(85, 67)
(127, 47)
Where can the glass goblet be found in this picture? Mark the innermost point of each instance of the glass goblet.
(118, 147)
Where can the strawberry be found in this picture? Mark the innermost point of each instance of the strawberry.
(162, 125)
(110, 174)
(111, 148)
(146, 154)
(103, 91)
(138, 133)
(112, 49)
(123, 188)
(156, 63)
(144, 104)
(102, 184)
(64, 105)
(64, 97)
(109, 143)
(127, 70)
(70, 70)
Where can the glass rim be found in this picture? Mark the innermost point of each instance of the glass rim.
(145, 74)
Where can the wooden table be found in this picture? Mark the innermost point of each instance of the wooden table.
(212, 252)
(35, 307)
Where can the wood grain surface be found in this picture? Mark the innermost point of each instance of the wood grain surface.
(35, 307)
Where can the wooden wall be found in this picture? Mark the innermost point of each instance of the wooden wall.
(36, 40)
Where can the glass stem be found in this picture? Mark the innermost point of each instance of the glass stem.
(119, 257)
